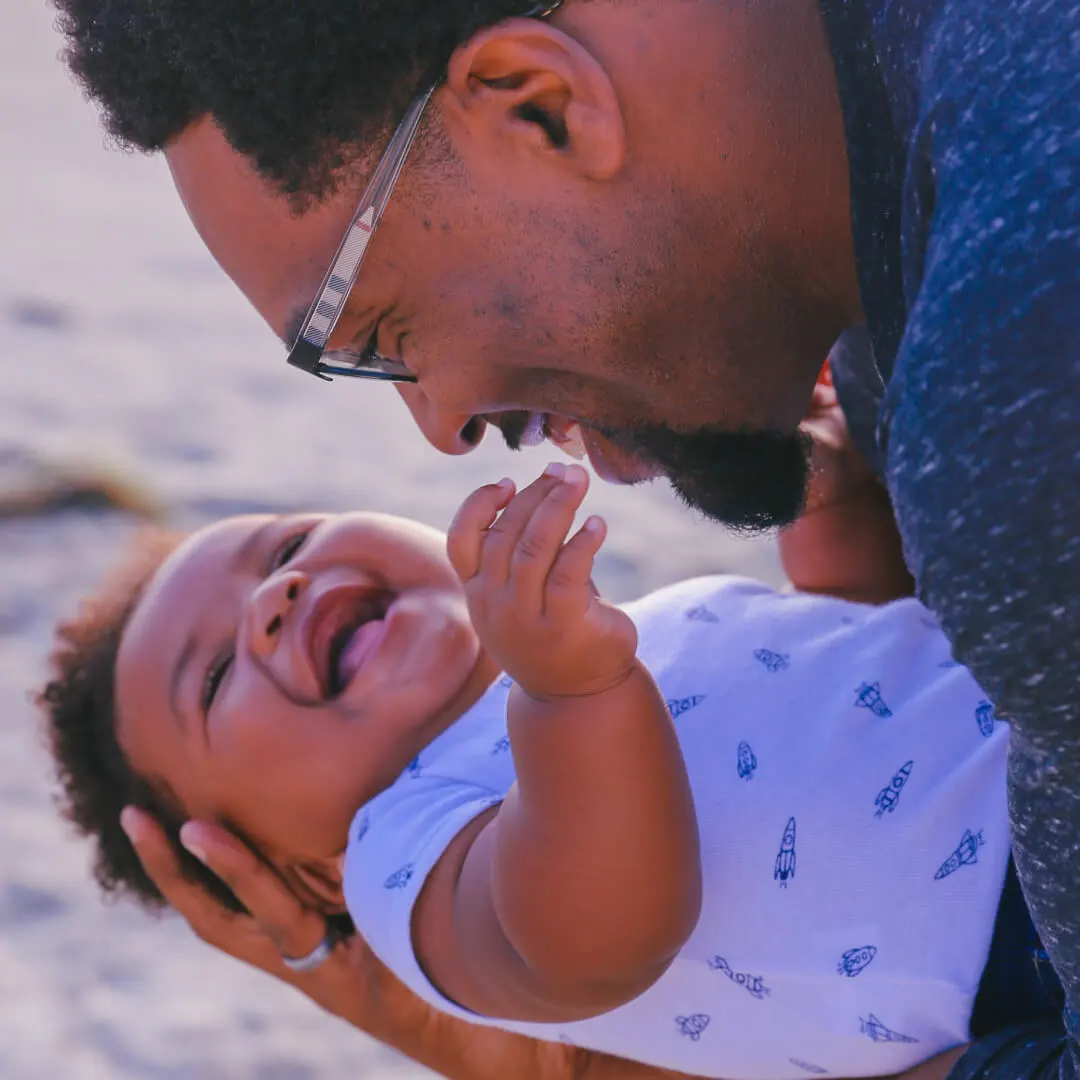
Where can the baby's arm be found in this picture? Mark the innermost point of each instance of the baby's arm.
(575, 895)
(846, 543)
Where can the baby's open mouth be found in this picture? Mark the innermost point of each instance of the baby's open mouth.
(347, 634)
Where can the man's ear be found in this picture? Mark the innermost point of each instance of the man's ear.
(319, 882)
(526, 83)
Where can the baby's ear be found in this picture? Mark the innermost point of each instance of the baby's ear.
(320, 880)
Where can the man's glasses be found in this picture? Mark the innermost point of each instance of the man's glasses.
(309, 350)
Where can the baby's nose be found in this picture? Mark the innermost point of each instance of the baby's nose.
(271, 606)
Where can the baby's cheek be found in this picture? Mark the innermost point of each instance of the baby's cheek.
(459, 637)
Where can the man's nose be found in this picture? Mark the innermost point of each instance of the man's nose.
(270, 608)
(450, 432)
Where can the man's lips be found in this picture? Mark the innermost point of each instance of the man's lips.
(610, 462)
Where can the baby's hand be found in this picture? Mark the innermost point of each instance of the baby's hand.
(839, 471)
(529, 589)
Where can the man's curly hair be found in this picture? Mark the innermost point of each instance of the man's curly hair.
(298, 86)
(79, 707)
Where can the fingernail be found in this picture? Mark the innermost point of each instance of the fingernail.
(505, 484)
(192, 845)
(575, 475)
(594, 524)
(556, 470)
(129, 822)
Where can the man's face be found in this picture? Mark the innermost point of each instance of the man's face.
(534, 303)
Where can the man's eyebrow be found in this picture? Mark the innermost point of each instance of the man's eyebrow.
(179, 669)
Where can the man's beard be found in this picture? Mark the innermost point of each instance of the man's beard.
(751, 481)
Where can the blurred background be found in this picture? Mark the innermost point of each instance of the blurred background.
(131, 370)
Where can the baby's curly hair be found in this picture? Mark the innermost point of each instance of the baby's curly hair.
(296, 85)
(79, 707)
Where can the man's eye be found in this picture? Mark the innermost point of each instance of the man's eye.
(215, 676)
(287, 551)
(372, 347)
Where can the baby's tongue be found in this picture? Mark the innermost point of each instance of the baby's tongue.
(360, 645)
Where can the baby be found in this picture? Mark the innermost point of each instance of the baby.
(721, 830)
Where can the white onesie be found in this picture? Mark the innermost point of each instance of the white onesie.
(848, 777)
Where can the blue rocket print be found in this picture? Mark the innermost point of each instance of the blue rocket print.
(746, 762)
(414, 768)
(868, 696)
(855, 961)
(773, 661)
(784, 867)
(362, 828)
(505, 682)
(889, 796)
(877, 1031)
(754, 985)
(677, 706)
(399, 878)
(692, 1026)
(984, 717)
(966, 853)
(500, 745)
(813, 1070)
(701, 614)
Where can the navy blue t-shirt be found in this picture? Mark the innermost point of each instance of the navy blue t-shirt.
(962, 120)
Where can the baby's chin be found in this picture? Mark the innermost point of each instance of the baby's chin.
(317, 883)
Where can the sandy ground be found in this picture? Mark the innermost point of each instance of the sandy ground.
(125, 348)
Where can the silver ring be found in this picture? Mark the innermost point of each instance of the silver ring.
(318, 956)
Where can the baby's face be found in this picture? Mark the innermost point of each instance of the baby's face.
(280, 671)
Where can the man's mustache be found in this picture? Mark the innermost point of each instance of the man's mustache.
(512, 425)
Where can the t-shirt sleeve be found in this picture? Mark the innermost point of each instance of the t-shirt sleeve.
(982, 416)
(981, 422)
(393, 845)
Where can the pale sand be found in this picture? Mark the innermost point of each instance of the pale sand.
(125, 346)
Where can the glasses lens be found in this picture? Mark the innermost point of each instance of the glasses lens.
(366, 365)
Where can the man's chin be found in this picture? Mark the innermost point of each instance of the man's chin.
(752, 482)
(736, 515)
(617, 464)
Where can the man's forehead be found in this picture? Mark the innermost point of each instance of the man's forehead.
(277, 257)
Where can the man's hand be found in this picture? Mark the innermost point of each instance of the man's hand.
(352, 984)
(839, 471)
(846, 542)
(529, 589)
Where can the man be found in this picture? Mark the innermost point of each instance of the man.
(653, 219)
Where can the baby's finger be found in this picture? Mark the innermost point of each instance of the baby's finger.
(502, 537)
(542, 538)
(293, 928)
(572, 570)
(468, 531)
